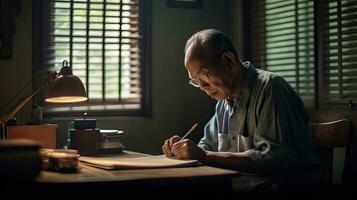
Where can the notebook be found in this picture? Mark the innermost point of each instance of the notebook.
(160, 161)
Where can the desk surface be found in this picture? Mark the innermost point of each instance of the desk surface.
(88, 174)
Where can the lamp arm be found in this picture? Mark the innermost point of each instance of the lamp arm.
(18, 106)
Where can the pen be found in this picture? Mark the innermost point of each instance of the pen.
(189, 131)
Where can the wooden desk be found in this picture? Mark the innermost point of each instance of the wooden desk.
(192, 181)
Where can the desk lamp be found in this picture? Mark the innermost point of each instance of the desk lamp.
(62, 87)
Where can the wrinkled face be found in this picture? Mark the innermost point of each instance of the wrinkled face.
(215, 81)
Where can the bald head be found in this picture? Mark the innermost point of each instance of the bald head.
(208, 45)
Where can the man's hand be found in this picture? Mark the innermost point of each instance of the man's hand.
(166, 148)
(187, 150)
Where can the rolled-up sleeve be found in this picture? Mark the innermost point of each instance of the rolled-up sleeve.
(281, 127)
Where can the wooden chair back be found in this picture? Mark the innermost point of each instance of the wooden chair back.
(329, 137)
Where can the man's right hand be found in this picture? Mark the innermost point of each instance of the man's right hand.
(166, 148)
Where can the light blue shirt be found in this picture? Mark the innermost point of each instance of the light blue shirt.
(268, 121)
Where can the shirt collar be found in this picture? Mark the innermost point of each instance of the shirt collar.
(243, 93)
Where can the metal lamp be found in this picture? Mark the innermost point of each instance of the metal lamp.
(62, 87)
(66, 87)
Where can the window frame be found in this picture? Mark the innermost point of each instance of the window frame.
(322, 94)
(40, 27)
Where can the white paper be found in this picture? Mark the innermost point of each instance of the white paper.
(160, 161)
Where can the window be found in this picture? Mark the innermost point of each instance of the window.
(283, 41)
(339, 44)
(104, 42)
(312, 44)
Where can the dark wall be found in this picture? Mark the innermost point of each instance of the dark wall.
(175, 104)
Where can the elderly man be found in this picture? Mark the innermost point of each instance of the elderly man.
(260, 124)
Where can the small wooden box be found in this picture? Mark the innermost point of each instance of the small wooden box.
(85, 141)
(45, 134)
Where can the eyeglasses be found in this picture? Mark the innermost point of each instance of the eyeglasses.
(203, 77)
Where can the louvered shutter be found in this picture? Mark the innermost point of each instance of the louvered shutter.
(101, 40)
(282, 41)
(340, 51)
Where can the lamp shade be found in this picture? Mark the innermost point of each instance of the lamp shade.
(66, 87)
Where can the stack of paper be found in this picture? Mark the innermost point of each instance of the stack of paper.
(160, 161)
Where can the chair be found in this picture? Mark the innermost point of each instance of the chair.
(332, 138)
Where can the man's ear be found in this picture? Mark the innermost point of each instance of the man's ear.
(229, 56)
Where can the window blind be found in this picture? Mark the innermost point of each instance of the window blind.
(101, 40)
(282, 41)
(340, 50)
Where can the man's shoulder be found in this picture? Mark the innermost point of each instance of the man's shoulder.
(268, 83)
(270, 78)
(275, 86)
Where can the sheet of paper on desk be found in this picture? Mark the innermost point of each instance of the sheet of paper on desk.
(160, 161)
